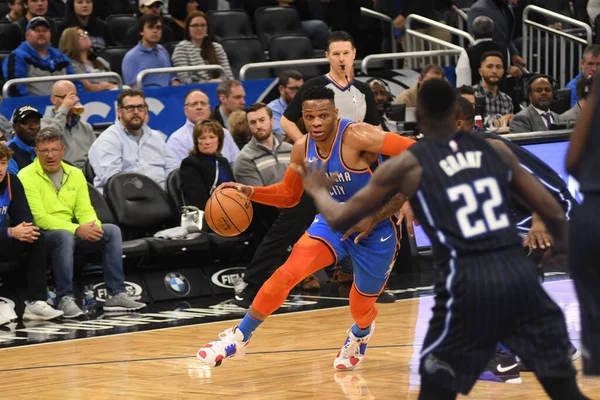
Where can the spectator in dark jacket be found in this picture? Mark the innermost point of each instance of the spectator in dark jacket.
(204, 169)
(80, 13)
(22, 241)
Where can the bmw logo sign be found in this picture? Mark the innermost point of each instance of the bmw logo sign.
(177, 284)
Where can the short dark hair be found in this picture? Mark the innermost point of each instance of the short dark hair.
(5, 152)
(487, 54)
(436, 100)
(49, 134)
(464, 89)
(318, 93)
(465, 110)
(583, 87)
(257, 106)
(149, 19)
(432, 67)
(130, 93)
(289, 74)
(339, 36)
(225, 87)
(209, 125)
(592, 49)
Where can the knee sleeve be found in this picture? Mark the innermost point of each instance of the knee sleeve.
(362, 308)
(309, 255)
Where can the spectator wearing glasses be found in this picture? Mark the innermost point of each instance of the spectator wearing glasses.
(65, 116)
(148, 54)
(199, 49)
(129, 145)
(289, 84)
(196, 110)
(589, 66)
(80, 14)
(59, 199)
(76, 44)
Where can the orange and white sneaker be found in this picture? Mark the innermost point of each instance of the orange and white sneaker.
(229, 345)
(353, 351)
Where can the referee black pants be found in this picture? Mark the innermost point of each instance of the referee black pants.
(285, 231)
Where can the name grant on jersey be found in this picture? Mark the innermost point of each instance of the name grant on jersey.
(457, 162)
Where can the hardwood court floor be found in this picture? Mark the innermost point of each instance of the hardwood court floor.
(290, 358)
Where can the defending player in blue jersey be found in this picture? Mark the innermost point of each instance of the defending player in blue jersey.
(349, 150)
(459, 187)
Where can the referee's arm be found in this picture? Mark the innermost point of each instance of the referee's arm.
(290, 128)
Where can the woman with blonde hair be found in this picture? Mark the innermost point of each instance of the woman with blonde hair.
(239, 128)
(199, 49)
(76, 44)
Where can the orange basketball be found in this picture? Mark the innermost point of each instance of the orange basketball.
(228, 212)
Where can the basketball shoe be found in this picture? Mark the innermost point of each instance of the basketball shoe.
(503, 367)
(353, 351)
(229, 345)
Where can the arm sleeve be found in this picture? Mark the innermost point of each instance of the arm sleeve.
(106, 159)
(193, 186)
(129, 68)
(15, 67)
(18, 210)
(78, 84)
(223, 60)
(245, 172)
(285, 194)
(178, 149)
(519, 124)
(43, 219)
(84, 211)
(59, 121)
(171, 162)
(179, 59)
(230, 150)
(394, 144)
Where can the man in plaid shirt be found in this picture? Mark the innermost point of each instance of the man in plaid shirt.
(498, 105)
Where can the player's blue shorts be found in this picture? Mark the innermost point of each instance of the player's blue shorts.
(372, 257)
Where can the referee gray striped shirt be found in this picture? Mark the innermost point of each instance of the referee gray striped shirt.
(186, 54)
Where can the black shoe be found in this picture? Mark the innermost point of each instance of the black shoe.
(245, 297)
(575, 355)
(386, 297)
(503, 367)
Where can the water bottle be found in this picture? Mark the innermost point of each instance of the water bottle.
(88, 300)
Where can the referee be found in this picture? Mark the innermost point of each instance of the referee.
(354, 100)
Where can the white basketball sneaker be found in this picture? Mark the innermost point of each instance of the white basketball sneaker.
(229, 345)
(353, 351)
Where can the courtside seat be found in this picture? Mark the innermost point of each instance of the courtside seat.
(135, 248)
(142, 208)
(218, 243)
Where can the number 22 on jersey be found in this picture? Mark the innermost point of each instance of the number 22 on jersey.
(472, 194)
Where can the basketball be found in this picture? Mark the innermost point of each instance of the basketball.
(228, 212)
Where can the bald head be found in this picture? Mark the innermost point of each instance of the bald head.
(62, 90)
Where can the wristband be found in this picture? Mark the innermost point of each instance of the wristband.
(8, 233)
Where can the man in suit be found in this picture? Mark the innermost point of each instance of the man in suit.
(483, 32)
(232, 97)
(536, 117)
(504, 24)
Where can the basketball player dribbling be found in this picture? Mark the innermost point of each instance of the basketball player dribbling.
(459, 189)
(349, 148)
